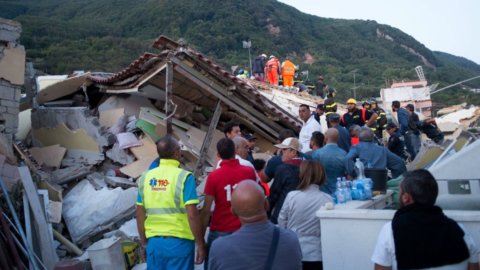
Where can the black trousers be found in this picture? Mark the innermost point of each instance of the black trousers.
(312, 265)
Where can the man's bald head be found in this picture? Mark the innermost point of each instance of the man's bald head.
(248, 202)
(331, 136)
(168, 147)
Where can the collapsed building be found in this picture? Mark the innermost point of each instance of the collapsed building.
(89, 136)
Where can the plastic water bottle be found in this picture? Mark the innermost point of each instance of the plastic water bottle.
(340, 194)
(359, 169)
(367, 183)
(347, 189)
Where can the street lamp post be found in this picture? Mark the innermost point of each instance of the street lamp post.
(248, 45)
(354, 84)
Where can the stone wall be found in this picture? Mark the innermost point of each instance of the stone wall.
(12, 73)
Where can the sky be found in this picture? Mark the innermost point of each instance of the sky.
(451, 26)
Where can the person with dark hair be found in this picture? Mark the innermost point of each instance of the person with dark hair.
(430, 128)
(401, 117)
(373, 155)
(251, 141)
(274, 162)
(310, 125)
(286, 176)
(354, 131)
(258, 244)
(319, 111)
(259, 165)
(218, 189)
(317, 140)
(258, 67)
(421, 236)
(298, 212)
(232, 129)
(412, 135)
(167, 212)
(332, 157)
(319, 87)
(396, 143)
(344, 140)
(330, 104)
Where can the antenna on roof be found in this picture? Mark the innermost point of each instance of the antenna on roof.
(420, 74)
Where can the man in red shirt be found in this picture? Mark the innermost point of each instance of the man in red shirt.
(218, 188)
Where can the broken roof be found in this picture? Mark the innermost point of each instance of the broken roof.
(200, 81)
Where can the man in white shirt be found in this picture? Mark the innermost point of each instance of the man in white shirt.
(310, 125)
(420, 236)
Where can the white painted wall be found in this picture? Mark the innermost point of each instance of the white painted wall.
(349, 236)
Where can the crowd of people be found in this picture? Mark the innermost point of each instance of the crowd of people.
(261, 214)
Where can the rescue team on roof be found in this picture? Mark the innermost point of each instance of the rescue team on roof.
(255, 223)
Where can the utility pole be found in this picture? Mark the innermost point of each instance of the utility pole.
(354, 84)
(248, 45)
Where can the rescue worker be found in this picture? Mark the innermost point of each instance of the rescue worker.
(329, 103)
(319, 87)
(366, 104)
(273, 69)
(381, 120)
(288, 72)
(258, 67)
(357, 116)
(167, 212)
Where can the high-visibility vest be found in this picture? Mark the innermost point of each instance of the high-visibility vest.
(162, 193)
(273, 64)
(288, 68)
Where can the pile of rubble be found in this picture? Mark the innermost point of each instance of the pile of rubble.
(88, 137)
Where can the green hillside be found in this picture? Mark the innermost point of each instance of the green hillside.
(106, 35)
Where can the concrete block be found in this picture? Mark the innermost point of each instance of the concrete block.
(7, 93)
(13, 110)
(9, 30)
(18, 94)
(11, 120)
(11, 130)
(9, 103)
(3, 110)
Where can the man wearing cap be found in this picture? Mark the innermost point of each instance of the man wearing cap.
(272, 69)
(396, 143)
(357, 116)
(344, 140)
(258, 67)
(286, 175)
(251, 139)
(310, 125)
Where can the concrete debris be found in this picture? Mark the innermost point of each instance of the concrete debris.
(92, 135)
(127, 140)
(87, 211)
(119, 155)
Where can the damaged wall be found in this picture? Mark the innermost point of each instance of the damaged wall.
(12, 70)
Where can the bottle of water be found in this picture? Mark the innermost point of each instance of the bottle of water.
(340, 193)
(367, 183)
(359, 169)
(347, 189)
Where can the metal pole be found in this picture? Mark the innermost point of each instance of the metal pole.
(452, 85)
(31, 255)
(168, 92)
(250, 59)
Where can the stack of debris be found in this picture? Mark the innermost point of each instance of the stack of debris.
(92, 135)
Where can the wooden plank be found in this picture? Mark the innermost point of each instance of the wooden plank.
(220, 92)
(49, 257)
(51, 156)
(136, 168)
(208, 139)
(147, 150)
(110, 117)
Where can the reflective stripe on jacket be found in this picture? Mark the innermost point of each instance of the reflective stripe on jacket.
(288, 68)
(162, 193)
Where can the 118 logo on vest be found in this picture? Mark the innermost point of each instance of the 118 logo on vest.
(159, 184)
